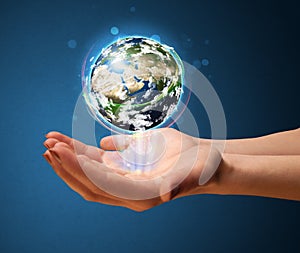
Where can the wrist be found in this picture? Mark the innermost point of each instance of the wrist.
(209, 162)
(218, 184)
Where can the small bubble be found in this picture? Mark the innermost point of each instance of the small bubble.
(197, 63)
(114, 30)
(205, 62)
(132, 9)
(72, 44)
(206, 42)
(155, 37)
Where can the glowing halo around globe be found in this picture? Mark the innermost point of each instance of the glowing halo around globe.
(134, 84)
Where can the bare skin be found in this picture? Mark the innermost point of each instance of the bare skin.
(266, 166)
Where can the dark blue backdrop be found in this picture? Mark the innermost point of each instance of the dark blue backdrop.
(253, 54)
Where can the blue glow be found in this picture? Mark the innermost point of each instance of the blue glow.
(155, 37)
(205, 62)
(197, 63)
(114, 30)
(72, 44)
(132, 9)
(94, 55)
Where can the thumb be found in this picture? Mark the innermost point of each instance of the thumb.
(115, 142)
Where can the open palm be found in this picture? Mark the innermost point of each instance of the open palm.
(99, 175)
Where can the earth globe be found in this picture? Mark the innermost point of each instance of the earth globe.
(134, 84)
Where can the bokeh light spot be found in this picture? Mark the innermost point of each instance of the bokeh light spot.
(197, 63)
(205, 62)
(72, 44)
(114, 30)
(132, 9)
(206, 42)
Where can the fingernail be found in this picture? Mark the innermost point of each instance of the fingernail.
(55, 155)
(46, 145)
(47, 158)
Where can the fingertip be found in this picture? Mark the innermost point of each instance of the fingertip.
(165, 192)
(107, 143)
(165, 197)
(49, 143)
(46, 155)
(64, 155)
(59, 136)
(51, 133)
(115, 142)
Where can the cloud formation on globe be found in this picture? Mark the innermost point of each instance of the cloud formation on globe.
(135, 83)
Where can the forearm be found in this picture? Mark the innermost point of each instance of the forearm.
(283, 143)
(269, 176)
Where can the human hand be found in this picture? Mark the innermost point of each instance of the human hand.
(97, 175)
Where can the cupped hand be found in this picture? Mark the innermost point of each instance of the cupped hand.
(98, 175)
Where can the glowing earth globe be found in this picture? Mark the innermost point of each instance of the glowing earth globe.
(135, 84)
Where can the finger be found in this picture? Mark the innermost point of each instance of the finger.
(79, 148)
(96, 154)
(69, 161)
(119, 185)
(99, 175)
(66, 177)
(74, 184)
(49, 143)
(60, 137)
(89, 195)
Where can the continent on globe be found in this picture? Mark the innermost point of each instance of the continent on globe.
(135, 83)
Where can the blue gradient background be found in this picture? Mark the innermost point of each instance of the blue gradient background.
(253, 52)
